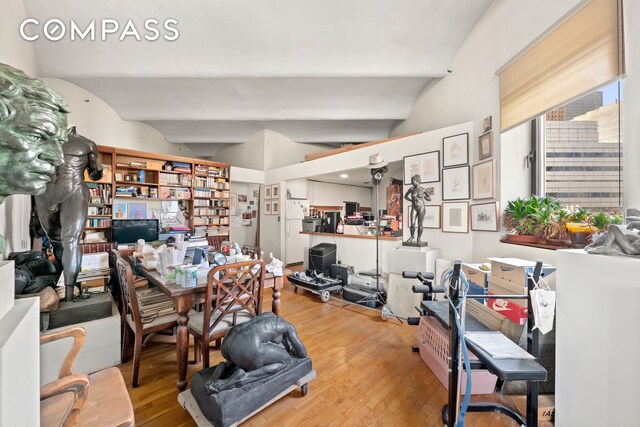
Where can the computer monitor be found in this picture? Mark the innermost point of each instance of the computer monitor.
(130, 230)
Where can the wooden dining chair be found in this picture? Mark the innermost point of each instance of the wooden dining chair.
(164, 319)
(98, 399)
(233, 296)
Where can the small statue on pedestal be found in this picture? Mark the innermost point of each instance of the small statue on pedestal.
(62, 208)
(33, 127)
(417, 196)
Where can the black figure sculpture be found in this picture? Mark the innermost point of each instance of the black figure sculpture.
(33, 127)
(62, 208)
(417, 196)
(256, 350)
(264, 357)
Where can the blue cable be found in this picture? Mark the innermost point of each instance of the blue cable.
(463, 347)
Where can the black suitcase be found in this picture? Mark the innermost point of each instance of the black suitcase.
(367, 298)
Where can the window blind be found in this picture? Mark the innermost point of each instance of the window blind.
(582, 53)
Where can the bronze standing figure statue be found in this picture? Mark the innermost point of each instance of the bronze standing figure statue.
(417, 196)
(33, 127)
(62, 208)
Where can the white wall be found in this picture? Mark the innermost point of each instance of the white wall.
(329, 194)
(249, 154)
(631, 102)
(13, 50)
(99, 122)
(282, 151)
(243, 234)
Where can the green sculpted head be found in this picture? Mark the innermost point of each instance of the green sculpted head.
(33, 127)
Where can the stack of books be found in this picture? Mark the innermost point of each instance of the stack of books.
(153, 304)
(181, 167)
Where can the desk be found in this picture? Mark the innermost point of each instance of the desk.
(185, 297)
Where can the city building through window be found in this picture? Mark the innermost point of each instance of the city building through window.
(580, 161)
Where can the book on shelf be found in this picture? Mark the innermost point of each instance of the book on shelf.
(178, 193)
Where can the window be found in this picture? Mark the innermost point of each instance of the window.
(580, 151)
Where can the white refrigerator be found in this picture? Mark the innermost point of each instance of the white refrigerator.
(295, 211)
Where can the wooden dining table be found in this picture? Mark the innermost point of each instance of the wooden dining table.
(184, 299)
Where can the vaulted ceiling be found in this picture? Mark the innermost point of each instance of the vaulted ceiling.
(328, 71)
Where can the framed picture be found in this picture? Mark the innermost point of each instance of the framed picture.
(455, 217)
(267, 207)
(431, 217)
(275, 207)
(486, 124)
(120, 210)
(485, 217)
(485, 145)
(275, 191)
(267, 192)
(484, 180)
(137, 211)
(426, 165)
(455, 183)
(455, 150)
(242, 198)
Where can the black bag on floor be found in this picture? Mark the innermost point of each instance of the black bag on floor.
(367, 298)
(23, 280)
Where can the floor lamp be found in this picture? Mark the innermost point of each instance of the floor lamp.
(378, 168)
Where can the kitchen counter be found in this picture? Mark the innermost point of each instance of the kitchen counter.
(353, 236)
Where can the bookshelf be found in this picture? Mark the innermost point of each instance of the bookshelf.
(178, 191)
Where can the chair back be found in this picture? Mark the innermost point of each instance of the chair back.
(130, 297)
(233, 290)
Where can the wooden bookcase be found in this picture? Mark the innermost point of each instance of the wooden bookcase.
(201, 187)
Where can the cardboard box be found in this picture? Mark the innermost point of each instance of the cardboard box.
(512, 269)
(508, 309)
(516, 270)
(546, 405)
(502, 287)
(477, 280)
(494, 320)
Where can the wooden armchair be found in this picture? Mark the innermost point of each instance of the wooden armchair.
(83, 400)
(233, 296)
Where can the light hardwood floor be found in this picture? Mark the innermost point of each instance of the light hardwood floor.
(367, 374)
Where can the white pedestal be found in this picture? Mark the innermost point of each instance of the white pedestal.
(597, 350)
(19, 361)
(400, 297)
(101, 349)
(7, 287)
(407, 258)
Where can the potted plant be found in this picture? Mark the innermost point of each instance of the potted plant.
(556, 232)
(579, 226)
(520, 217)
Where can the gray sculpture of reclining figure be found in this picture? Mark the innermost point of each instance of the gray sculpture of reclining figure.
(256, 350)
(617, 241)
